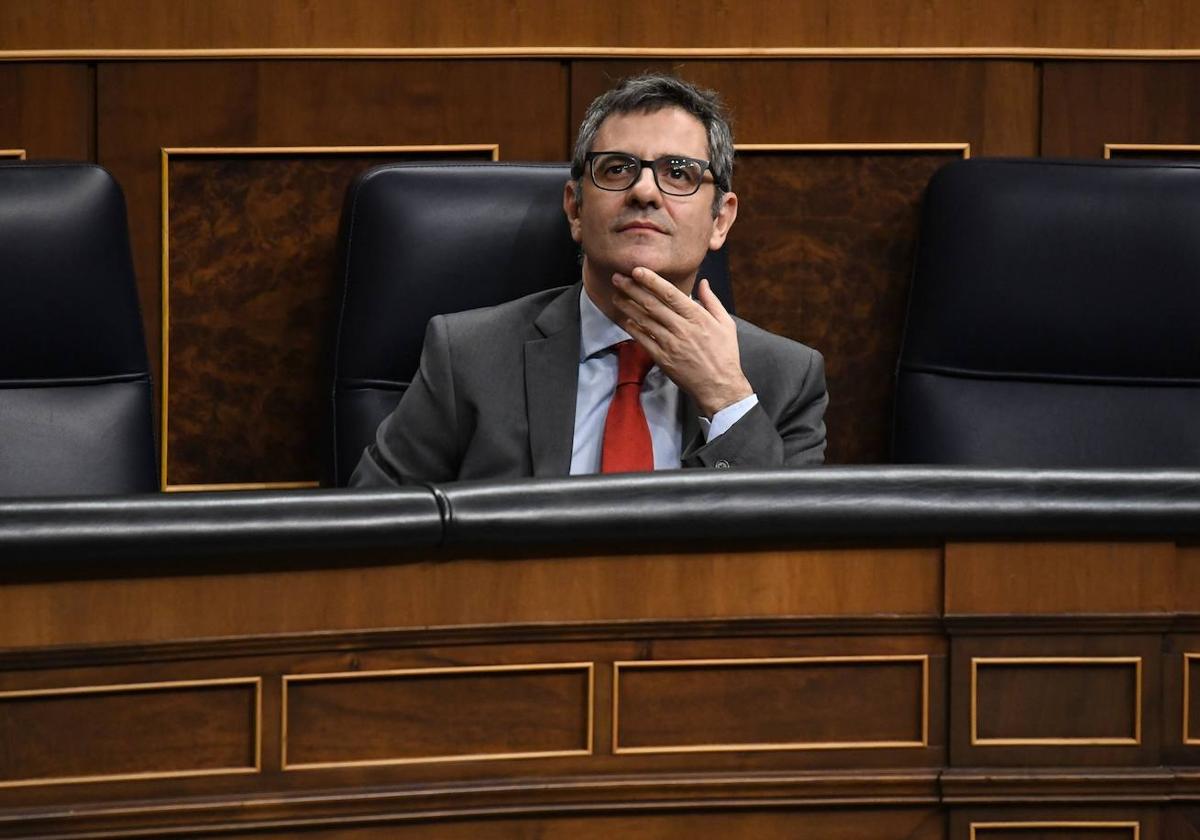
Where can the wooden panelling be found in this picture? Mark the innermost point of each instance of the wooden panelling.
(1088, 104)
(48, 110)
(827, 824)
(1187, 583)
(105, 732)
(993, 105)
(1030, 701)
(823, 254)
(1040, 578)
(1076, 822)
(1190, 733)
(30, 24)
(437, 715)
(474, 590)
(771, 704)
(1049, 700)
(250, 302)
(1182, 823)
(519, 105)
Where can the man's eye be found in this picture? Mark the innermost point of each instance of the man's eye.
(680, 170)
(617, 168)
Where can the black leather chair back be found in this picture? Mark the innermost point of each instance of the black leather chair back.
(1054, 317)
(422, 239)
(75, 392)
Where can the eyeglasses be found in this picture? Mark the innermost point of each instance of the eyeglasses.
(674, 174)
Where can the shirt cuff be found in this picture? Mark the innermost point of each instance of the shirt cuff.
(726, 417)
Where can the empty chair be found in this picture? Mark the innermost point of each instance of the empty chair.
(75, 391)
(422, 239)
(1054, 319)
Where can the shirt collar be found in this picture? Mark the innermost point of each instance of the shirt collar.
(596, 331)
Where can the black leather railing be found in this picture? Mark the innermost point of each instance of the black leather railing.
(874, 504)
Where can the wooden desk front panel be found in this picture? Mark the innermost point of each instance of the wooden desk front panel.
(560, 695)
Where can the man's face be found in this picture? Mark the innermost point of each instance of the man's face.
(642, 226)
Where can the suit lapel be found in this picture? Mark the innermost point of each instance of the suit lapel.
(551, 380)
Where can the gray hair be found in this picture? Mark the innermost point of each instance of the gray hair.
(653, 92)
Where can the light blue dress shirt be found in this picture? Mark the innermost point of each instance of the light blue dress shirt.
(660, 398)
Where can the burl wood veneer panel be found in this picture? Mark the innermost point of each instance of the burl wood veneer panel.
(473, 591)
(143, 107)
(1086, 104)
(771, 704)
(824, 254)
(1030, 699)
(823, 246)
(1043, 578)
(443, 715)
(253, 299)
(888, 823)
(96, 733)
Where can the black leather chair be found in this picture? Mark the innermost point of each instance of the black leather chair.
(1054, 317)
(75, 392)
(422, 239)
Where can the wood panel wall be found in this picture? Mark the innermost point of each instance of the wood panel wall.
(566, 24)
(822, 251)
(957, 691)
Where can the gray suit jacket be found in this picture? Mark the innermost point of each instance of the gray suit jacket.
(495, 398)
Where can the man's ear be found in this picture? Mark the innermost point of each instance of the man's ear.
(723, 221)
(571, 208)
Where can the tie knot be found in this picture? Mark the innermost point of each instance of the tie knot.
(633, 363)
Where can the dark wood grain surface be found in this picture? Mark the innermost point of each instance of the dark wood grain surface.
(253, 304)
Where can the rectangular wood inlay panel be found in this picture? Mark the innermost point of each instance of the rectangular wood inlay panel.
(249, 305)
(1056, 700)
(1056, 830)
(1191, 698)
(437, 714)
(101, 733)
(823, 252)
(771, 704)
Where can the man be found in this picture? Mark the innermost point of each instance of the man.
(551, 384)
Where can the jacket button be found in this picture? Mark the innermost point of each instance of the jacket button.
(722, 464)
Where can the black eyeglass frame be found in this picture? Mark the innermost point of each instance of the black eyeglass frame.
(589, 161)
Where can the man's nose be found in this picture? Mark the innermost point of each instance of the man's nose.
(645, 188)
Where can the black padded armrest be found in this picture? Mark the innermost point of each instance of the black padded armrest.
(846, 503)
(172, 526)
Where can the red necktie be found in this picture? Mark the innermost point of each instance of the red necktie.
(627, 446)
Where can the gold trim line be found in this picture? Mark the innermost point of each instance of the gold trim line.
(1187, 699)
(1026, 824)
(965, 148)
(568, 52)
(1109, 148)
